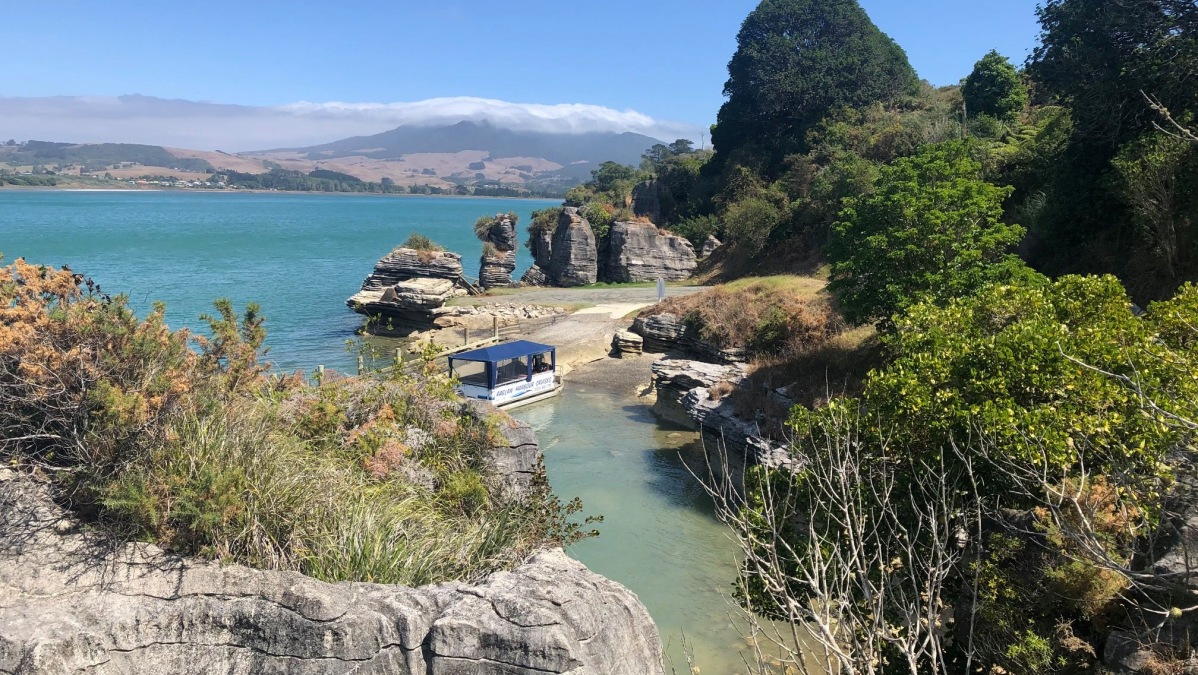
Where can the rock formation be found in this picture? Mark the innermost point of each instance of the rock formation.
(499, 258)
(74, 602)
(495, 268)
(406, 288)
(684, 397)
(641, 252)
(406, 263)
(666, 332)
(709, 246)
(574, 259)
(626, 342)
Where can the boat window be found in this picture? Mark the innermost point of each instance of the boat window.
(512, 370)
(471, 372)
(542, 363)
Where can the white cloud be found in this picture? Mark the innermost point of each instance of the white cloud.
(211, 126)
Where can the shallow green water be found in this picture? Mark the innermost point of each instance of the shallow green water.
(660, 536)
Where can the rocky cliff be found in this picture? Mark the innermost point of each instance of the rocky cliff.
(574, 258)
(641, 252)
(73, 601)
(406, 263)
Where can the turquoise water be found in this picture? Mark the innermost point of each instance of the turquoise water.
(660, 536)
(299, 256)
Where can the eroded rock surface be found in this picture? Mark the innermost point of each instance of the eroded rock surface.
(709, 246)
(73, 602)
(406, 263)
(667, 332)
(495, 268)
(641, 252)
(574, 259)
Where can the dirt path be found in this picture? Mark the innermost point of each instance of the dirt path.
(586, 335)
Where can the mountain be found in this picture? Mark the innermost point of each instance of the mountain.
(576, 153)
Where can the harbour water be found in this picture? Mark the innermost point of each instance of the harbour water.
(300, 256)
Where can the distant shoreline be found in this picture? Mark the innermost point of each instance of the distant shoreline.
(57, 188)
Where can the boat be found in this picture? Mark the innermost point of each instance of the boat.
(509, 374)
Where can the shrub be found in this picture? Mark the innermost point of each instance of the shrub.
(200, 452)
(419, 242)
(749, 223)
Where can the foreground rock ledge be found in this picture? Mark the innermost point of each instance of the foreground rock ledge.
(73, 603)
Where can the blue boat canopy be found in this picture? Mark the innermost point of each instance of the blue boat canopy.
(503, 352)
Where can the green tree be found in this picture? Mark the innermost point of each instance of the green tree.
(682, 146)
(995, 88)
(932, 230)
(797, 60)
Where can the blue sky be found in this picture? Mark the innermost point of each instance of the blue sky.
(663, 58)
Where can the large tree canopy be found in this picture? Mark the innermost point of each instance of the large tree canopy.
(994, 88)
(797, 60)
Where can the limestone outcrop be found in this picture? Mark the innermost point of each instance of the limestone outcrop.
(641, 252)
(406, 263)
(71, 601)
(499, 253)
(668, 332)
(684, 396)
(574, 258)
(405, 289)
(495, 269)
(626, 342)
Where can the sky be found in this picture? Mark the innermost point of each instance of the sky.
(654, 66)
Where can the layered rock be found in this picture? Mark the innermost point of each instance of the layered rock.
(495, 269)
(684, 396)
(73, 602)
(626, 342)
(646, 200)
(498, 263)
(535, 276)
(668, 332)
(574, 258)
(406, 263)
(641, 252)
(406, 287)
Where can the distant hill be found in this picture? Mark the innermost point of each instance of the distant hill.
(478, 157)
(576, 153)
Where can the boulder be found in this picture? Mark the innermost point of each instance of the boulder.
(574, 259)
(709, 246)
(626, 342)
(516, 454)
(74, 602)
(495, 270)
(535, 276)
(641, 252)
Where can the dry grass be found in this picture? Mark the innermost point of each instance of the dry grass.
(765, 315)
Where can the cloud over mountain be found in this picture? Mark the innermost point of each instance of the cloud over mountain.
(209, 126)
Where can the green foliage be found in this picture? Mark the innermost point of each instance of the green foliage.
(748, 223)
(798, 60)
(697, 229)
(600, 215)
(933, 230)
(1008, 362)
(995, 88)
